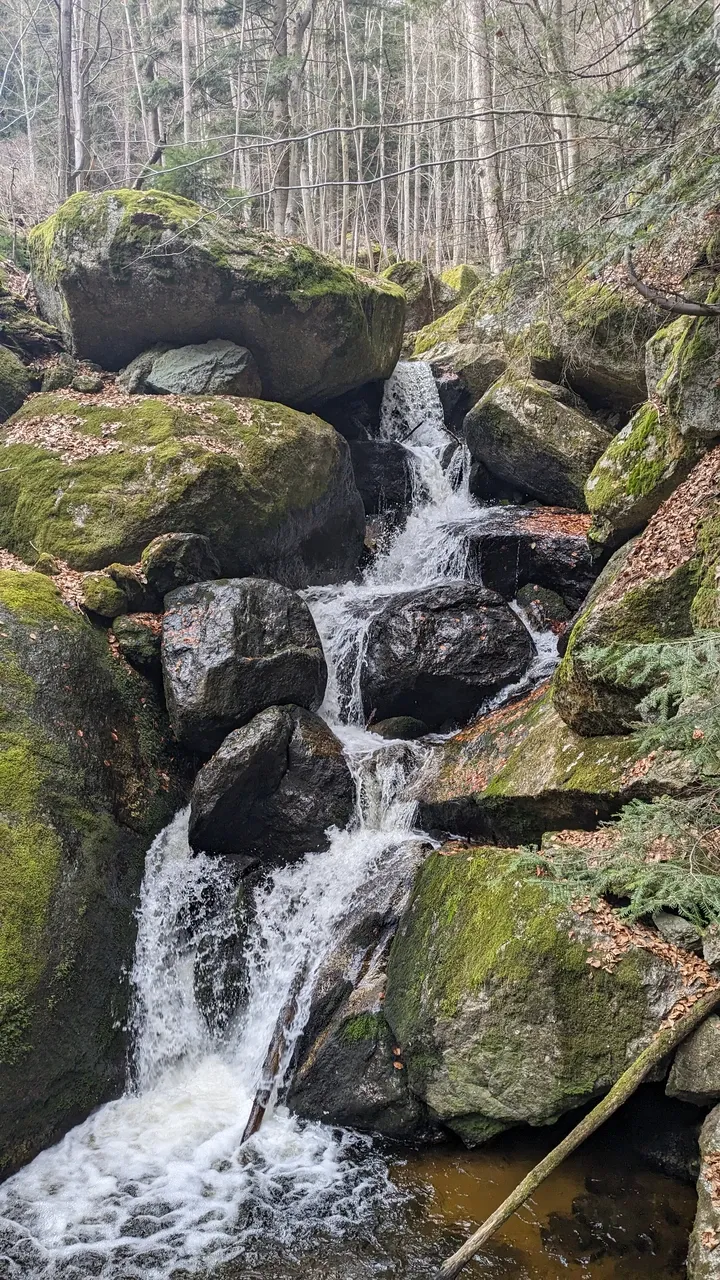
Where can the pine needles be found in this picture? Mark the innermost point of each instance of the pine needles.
(660, 855)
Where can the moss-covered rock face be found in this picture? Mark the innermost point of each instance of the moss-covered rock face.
(120, 270)
(22, 331)
(427, 296)
(522, 771)
(654, 591)
(640, 468)
(683, 373)
(15, 383)
(86, 781)
(462, 280)
(532, 435)
(595, 335)
(501, 1015)
(93, 481)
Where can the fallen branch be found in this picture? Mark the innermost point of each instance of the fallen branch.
(678, 305)
(274, 1055)
(660, 1046)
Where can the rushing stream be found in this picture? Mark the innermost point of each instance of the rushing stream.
(155, 1186)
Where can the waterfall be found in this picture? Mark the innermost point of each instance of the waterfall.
(156, 1180)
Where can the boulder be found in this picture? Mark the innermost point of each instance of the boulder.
(632, 653)
(21, 329)
(509, 547)
(703, 1261)
(215, 368)
(406, 728)
(119, 271)
(86, 781)
(695, 1073)
(510, 1009)
(521, 771)
(545, 609)
(382, 474)
(101, 595)
(641, 467)
(436, 653)
(15, 383)
(176, 560)
(353, 1077)
(682, 363)
(272, 788)
(232, 648)
(536, 437)
(94, 481)
(141, 598)
(139, 637)
(677, 930)
(427, 295)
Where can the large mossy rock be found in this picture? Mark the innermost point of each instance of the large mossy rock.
(532, 435)
(521, 771)
(94, 481)
(505, 1006)
(651, 597)
(15, 383)
(427, 295)
(118, 271)
(641, 467)
(86, 781)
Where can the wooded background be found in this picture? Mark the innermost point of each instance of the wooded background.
(447, 130)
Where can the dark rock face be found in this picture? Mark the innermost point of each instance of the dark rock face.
(435, 654)
(216, 368)
(178, 559)
(87, 781)
(404, 727)
(382, 474)
(510, 547)
(272, 788)
(356, 415)
(232, 648)
(139, 638)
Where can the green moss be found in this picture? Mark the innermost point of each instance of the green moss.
(364, 1026)
(462, 279)
(705, 608)
(447, 328)
(598, 310)
(103, 596)
(266, 461)
(32, 597)
(15, 383)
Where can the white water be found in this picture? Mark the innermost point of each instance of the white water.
(156, 1180)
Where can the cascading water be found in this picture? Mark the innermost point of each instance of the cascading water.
(156, 1180)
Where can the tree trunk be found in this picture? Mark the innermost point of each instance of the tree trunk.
(489, 173)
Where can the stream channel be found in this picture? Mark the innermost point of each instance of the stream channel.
(154, 1186)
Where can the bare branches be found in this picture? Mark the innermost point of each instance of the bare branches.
(675, 304)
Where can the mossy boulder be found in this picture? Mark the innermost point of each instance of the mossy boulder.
(21, 329)
(102, 596)
(502, 1010)
(427, 296)
(15, 383)
(118, 271)
(536, 437)
(139, 638)
(94, 481)
(462, 279)
(520, 771)
(86, 780)
(683, 374)
(641, 467)
(592, 334)
(650, 598)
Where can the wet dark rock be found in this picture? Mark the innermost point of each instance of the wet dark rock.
(232, 648)
(139, 639)
(405, 727)
(356, 415)
(382, 474)
(510, 547)
(272, 788)
(543, 607)
(435, 654)
(140, 596)
(178, 559)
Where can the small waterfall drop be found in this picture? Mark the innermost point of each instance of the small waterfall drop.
(154, 1184)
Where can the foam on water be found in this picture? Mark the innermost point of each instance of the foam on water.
(157, 1179)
